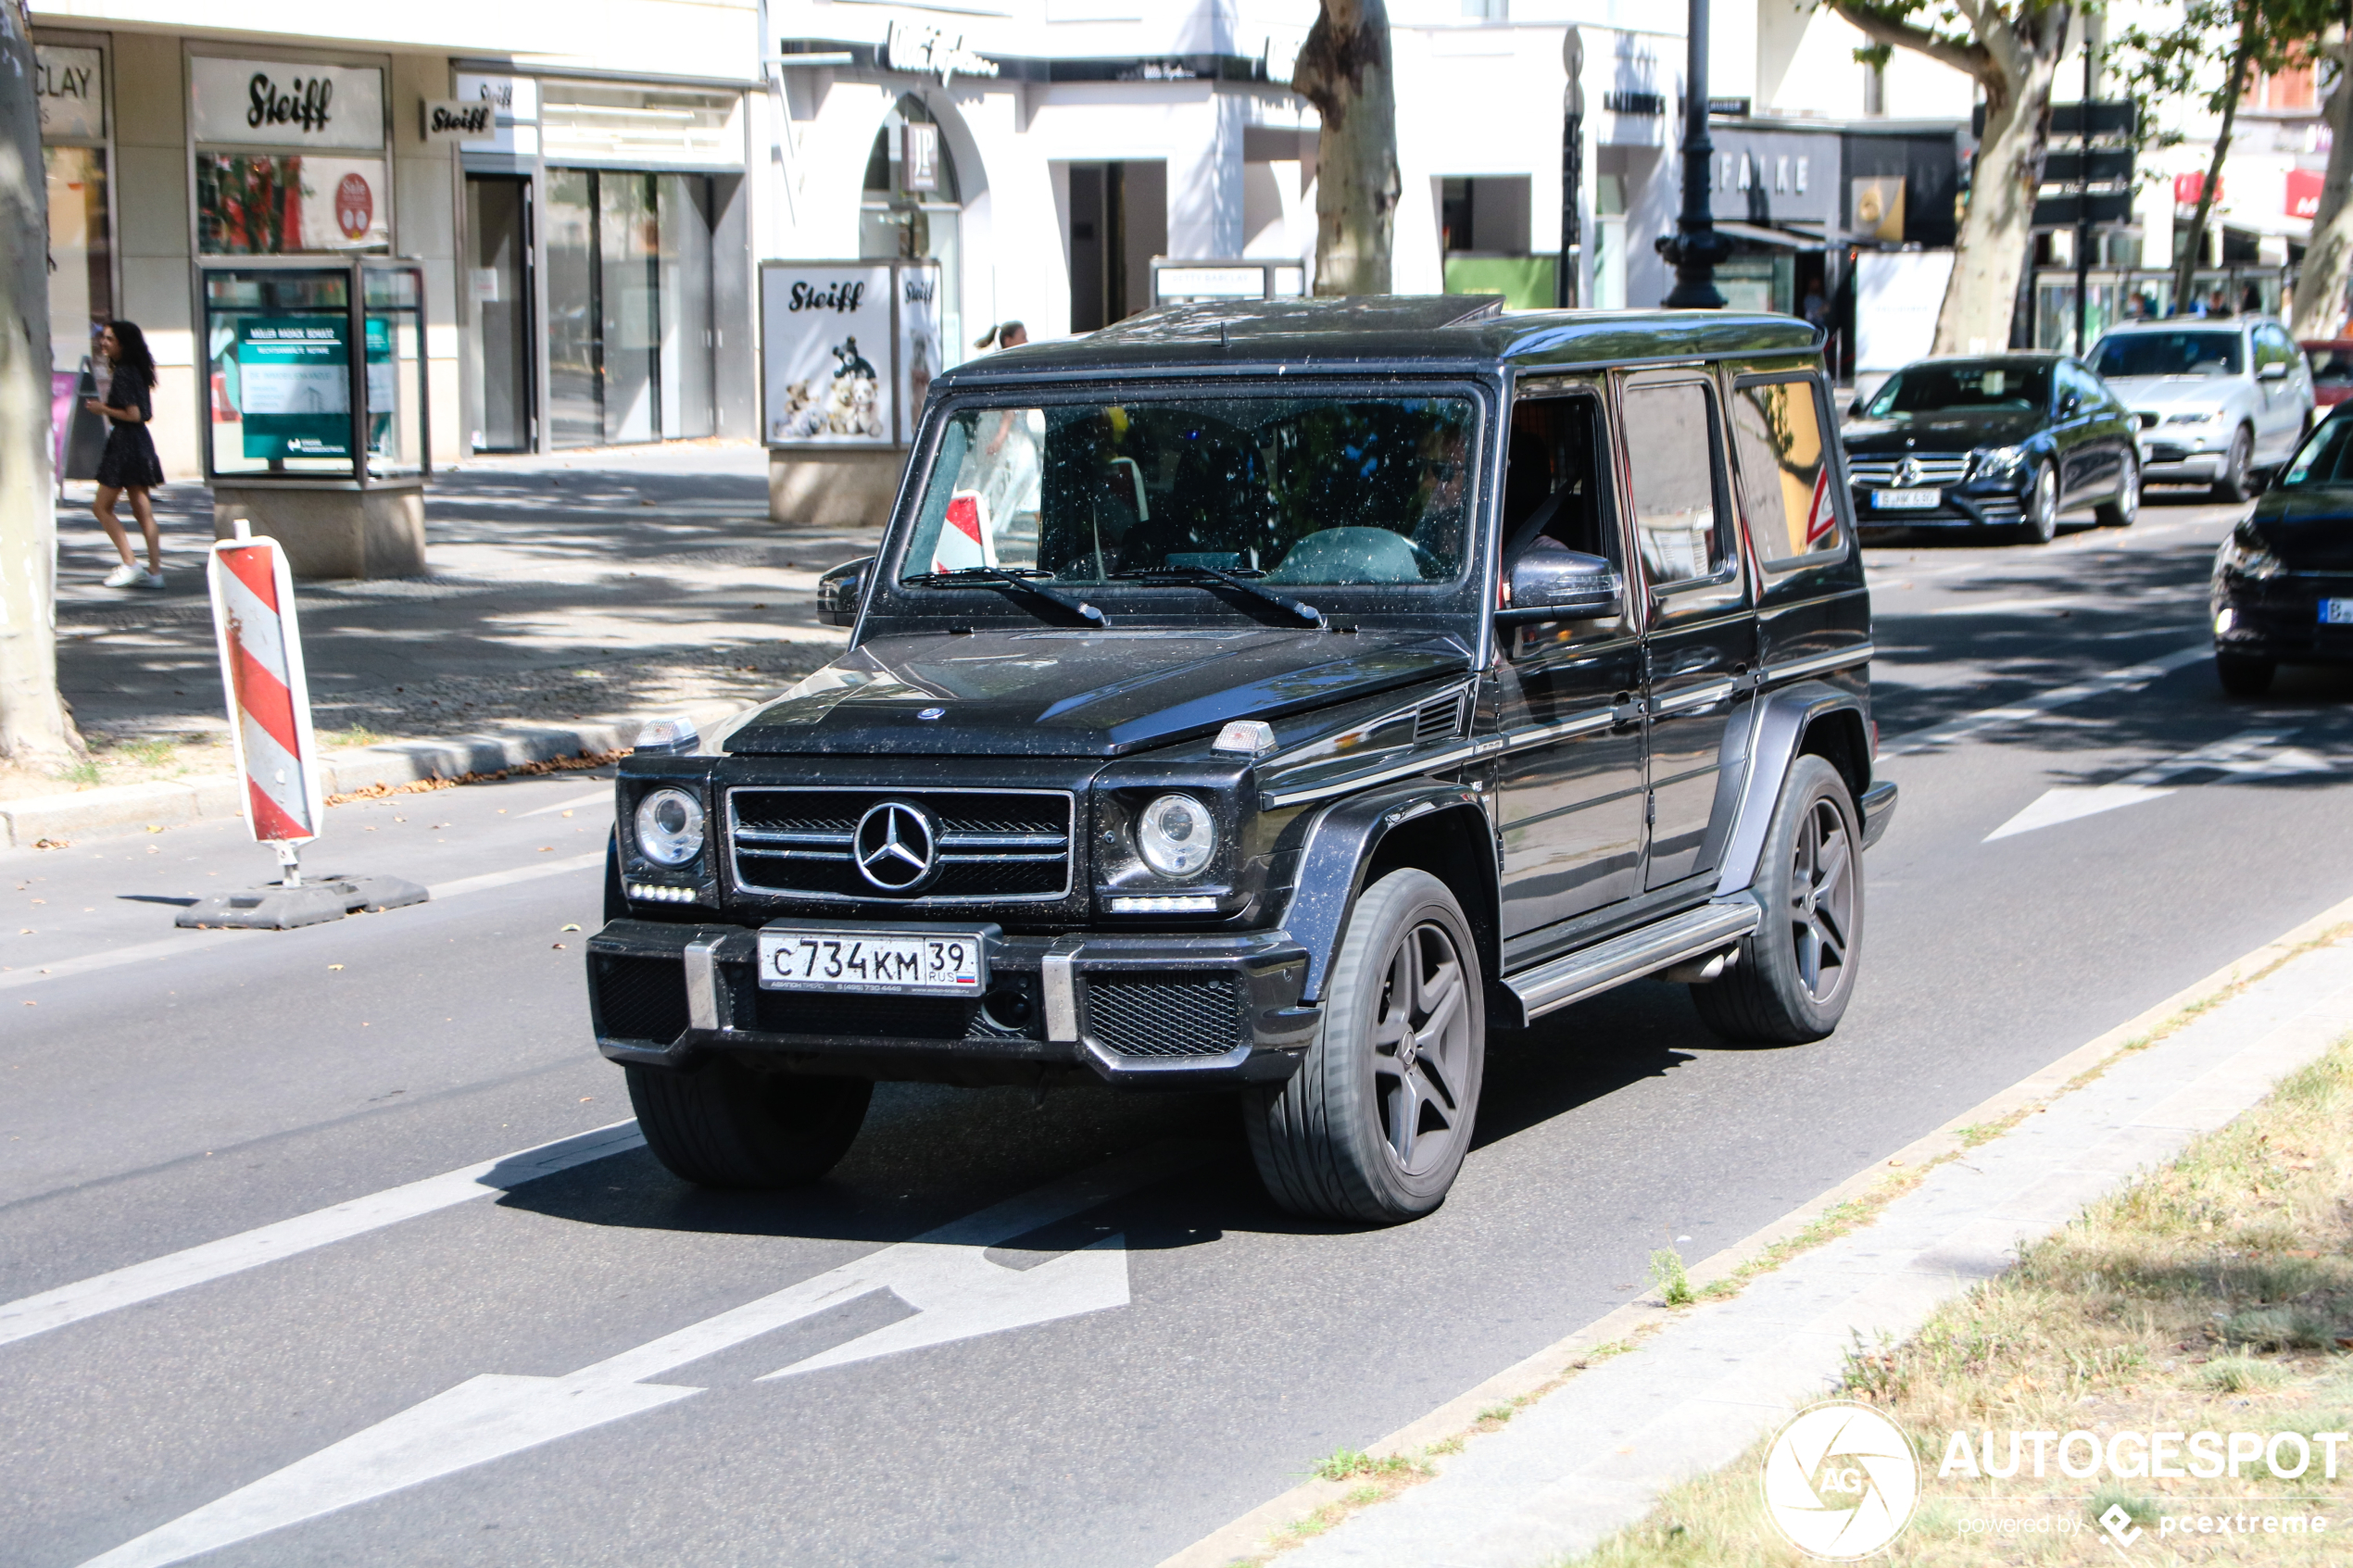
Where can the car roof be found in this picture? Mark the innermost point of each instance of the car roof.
(2190, 323)
(1462, 332)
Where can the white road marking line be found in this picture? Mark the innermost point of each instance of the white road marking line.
(197, 941)
(572, 802)
(945, 1274)
(2042, 702)
(2250, 755)
(267, 1244)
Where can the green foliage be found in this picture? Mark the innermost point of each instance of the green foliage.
(1666, 1272)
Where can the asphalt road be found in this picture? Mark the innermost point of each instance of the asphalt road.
(575, 1371)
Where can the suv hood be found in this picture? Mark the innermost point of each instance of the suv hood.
(2160, 395)
(1955, 431)
(1051, 693)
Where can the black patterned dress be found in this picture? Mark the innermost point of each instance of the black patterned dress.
(130, 461)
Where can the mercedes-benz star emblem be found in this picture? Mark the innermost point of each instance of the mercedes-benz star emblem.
(896, 846)
(1907, 471)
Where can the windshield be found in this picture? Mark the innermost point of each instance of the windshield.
(2326, 457)
(2186, 352)
(2016, 386)
(1292, 490)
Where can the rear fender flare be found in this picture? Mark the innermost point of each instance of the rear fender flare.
(1345, 842)
(1783, 721)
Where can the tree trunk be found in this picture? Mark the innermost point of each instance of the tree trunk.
(1998, 228)
(2320, 293)
(1343, 69)
(2193, 248)
(34, 728)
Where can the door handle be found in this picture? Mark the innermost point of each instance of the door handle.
(1627, 710)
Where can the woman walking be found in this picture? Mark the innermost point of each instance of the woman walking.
(129, 465)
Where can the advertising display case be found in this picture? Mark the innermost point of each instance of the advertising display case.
(849, 349)
(316, 414)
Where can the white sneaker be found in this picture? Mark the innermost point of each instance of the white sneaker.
(124, 576)
(151, 580)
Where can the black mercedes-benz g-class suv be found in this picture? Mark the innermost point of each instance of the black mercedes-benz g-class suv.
(1275, 696)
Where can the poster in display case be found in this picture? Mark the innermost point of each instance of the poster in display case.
(849, 350)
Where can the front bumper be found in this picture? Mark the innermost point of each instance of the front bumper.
(1134, 1011)
(1977, 506)
(2174, 463)
(2280, 619)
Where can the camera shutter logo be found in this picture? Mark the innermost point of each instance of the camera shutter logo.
(896, 846)
(1841, 1481)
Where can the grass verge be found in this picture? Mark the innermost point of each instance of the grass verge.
(2215, 1294)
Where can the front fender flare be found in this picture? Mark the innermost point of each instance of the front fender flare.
(1339, 845)
(1783, 720)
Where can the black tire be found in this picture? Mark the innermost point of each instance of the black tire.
(2243, 674)
(724, 1125)
(2237, 482)
(2123, 509)
(1767, 994)
(2038, 519)
(1326, 1140)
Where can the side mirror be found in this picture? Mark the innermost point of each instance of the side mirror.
(2275, 371)
(1560, 585)
(1854, 409)
(841, 590)
(2071, 405)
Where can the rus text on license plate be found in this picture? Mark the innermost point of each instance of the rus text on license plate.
(931, 963)
(2336, 613)
(1906, 500)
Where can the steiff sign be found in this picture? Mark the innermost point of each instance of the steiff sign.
(455, 120)
(285, 104)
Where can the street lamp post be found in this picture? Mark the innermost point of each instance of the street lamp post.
(1695, 248)
(1564, 279)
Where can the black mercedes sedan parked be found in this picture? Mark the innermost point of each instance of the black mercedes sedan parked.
(2005, 443)
(2283, 589)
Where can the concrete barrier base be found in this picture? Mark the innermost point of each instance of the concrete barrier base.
(331, 533)
(845, 489)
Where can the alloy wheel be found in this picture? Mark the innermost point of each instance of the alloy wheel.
(2128, 497)
(2041, 516)
(1821, 900)
(1421, 1049)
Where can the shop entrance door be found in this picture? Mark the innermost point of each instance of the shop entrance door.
(631, 354)
(499, 290)
(1118, 222)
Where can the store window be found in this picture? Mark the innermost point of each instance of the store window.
(912, 208)
(69, 81)
(630, 342)
(290, 158)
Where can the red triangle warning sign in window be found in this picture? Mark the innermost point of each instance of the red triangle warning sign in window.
(1821, 518)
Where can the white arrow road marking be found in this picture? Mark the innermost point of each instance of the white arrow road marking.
(30, 1315)
(944, 1275)
(2034, 707)
(2243, 756)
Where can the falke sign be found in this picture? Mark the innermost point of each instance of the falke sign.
(456, 119)
(285, 104)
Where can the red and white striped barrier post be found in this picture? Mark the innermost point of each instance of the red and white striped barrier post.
(253, 616)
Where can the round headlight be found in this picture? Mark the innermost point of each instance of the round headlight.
(1175, 835)
(670, 827)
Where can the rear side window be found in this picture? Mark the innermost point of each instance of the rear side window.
(1784, 471)
(1672, 444)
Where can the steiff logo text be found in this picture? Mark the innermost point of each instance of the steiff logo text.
(304, 103)
(844, 298)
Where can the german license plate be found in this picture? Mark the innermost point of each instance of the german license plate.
(1906, 500)
(931, 963)
(2336, 613)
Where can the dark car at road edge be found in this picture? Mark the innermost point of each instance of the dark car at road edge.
(1270, 697)
(2282, 591)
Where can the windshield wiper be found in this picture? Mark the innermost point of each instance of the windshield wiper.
(1201, 576)
(1003, 577)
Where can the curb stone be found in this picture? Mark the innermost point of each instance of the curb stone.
(1592, 1512)
(120, 810)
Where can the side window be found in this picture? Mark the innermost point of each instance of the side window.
(2271, 348)
(1672, 446)
(1552, 478)
(1785, 485)
(2075, 379)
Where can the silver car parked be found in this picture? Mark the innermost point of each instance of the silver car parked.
(2221, 401)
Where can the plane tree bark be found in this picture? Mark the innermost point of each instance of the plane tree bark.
(1344, 69)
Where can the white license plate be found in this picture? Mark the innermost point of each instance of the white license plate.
(2336, 613)
(930, 963)
(1906, 500)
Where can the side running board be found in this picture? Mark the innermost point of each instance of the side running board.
(1691, 934)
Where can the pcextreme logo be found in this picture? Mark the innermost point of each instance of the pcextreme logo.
(1841, 1481)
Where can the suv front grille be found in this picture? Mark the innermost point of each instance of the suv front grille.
(1880, 473)
(1167, 1015)
(994, 846)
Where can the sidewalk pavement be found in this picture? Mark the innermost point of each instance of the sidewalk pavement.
(1577, 1466)
(569, 598)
